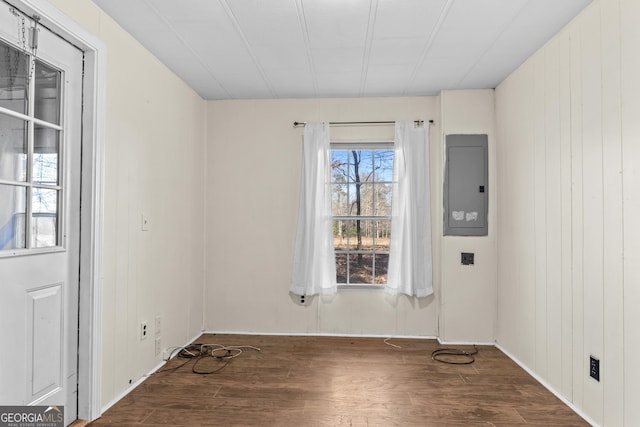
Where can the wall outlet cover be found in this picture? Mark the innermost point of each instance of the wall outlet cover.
(594, 368)
(467, 258)
(144, 330)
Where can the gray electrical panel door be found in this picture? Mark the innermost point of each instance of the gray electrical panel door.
(466, 188)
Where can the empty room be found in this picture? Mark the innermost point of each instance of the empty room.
(320, 212)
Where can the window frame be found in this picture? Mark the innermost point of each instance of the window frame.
(31, 123)
(362, 145)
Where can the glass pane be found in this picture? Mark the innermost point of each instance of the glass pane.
(12, 212)
(344, 235)
(13, 79)
(360, 269)
(368, 233)
(352, 194)
(366, 199)
(341, 268)
(365, 166)
(382, 235)
(355, 166)
(353, 159)
(47, 93)
(383, 165)
(45, 218)
(339, 205)
(382, 265)
(356, 234)
(363, 235)
(45, 156)
(382, 199)
(13, 149)
(339, 166)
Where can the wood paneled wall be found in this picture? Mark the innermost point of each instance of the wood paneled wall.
(154, 150)
(569, 194)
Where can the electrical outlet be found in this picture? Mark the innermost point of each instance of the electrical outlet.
(594, 368)
(144, 330)
(158, 328)
(158, 346)
(466, 258)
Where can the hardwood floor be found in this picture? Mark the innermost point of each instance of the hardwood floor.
(331, 381)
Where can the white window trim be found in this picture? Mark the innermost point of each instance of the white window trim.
(90, 334)
(364, 145)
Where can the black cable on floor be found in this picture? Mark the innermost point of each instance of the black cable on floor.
(454, 356)
(198, 352)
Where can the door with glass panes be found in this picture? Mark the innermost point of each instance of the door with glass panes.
(40, 145)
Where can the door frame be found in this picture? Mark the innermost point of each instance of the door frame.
(92, 196)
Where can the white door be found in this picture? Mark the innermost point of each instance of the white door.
(40, 147)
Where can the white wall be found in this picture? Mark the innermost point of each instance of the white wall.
(563, 195)
(154, 164)
(569, 193)
(155, 160)
(468, 307)
(253, 179)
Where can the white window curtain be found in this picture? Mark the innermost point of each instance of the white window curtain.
(410, 265)
(314, 267)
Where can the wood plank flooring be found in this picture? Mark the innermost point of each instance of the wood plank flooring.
(335, 381)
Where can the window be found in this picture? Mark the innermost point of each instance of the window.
(361, 184)
(30, 128)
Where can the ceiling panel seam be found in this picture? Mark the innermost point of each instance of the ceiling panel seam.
(252, 54)
(187, 46)
(373, 10)
(427, 47)
(507, 25)
(302, 20)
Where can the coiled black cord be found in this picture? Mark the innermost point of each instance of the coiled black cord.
(200, 352)
(454, 356)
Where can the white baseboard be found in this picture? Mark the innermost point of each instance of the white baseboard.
(323, 334)
(443, 342)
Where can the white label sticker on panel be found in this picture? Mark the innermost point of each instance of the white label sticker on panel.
(472, 216)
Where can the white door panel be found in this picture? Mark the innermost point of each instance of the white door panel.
(40, 148)
(44, 324)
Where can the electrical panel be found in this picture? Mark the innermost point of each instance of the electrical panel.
(466, 189)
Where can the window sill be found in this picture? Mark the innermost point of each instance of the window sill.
(361, 287)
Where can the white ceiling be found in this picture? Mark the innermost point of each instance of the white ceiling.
(236, 49)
